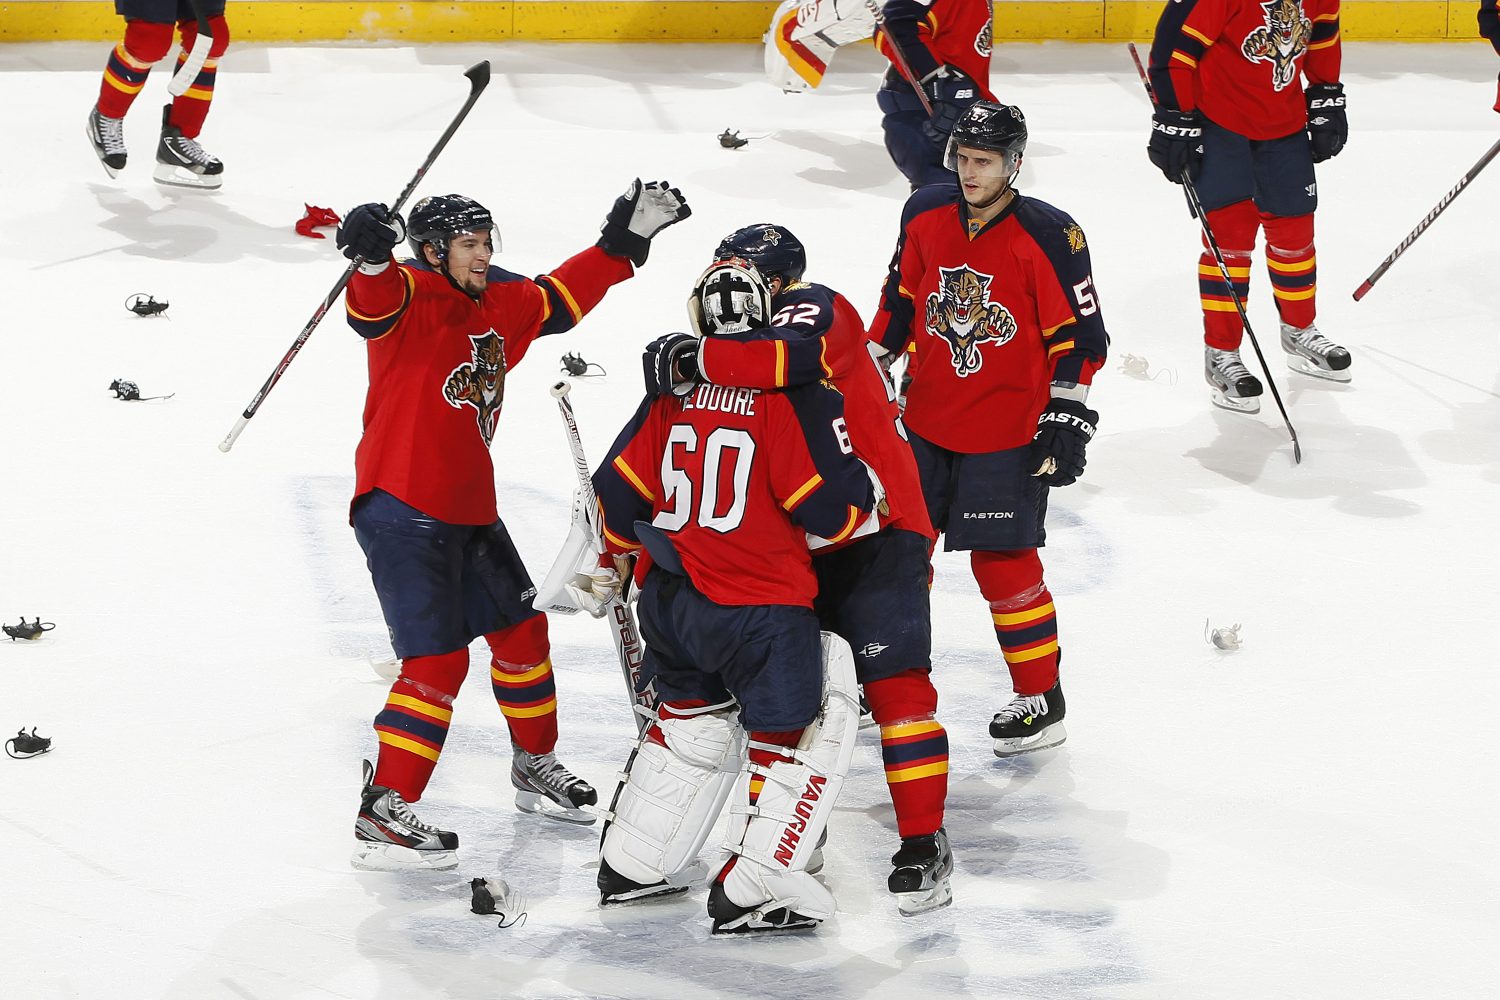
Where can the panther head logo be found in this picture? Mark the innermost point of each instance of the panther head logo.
(480, 383)
(961, 313)
(1281, 41)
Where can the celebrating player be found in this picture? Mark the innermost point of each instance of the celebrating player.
(180, 161)
(730, 479)
(1232, 117)
(442, 331)
(872, 591)
(995, 292)
(946, 46)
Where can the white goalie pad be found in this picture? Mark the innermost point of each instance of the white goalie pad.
(804, 36)
(575, 573)
(776, 837)
(673, 794)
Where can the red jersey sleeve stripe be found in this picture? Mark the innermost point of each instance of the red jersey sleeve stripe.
(405, 301)
(1194, 33)
(1059, 348)
(567, 296)
(623, 543)
(848, 529)
(779, 378)
(624, 469)
(802, 492)
(1185, 59)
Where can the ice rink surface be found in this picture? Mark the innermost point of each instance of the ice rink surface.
(1312, 816)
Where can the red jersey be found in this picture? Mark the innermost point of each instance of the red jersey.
(994, 318)
(1240, 63)
(734, 478)
(438, 360)
(817, 334)
(934, 33)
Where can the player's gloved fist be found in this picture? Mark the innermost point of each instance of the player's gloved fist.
(593, 591)
(950, 91)
(670, 363)
(1326, 122)
(372, 232)
(1176, 146)
(639, 214)
(1063, 431)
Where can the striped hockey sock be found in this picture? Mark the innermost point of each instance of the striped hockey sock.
(1023, 614)
(414, 723)
(521, 678)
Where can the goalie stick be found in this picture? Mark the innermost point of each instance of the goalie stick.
(196, 57)
(617, 611)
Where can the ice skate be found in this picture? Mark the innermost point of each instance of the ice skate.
(617, 890)
(1029, 723)
(389, 837)
(107, 136)
(920, 874)
(773, 916)
(1234, 388)
(181, 162)
(1311, 353)
(545, 787)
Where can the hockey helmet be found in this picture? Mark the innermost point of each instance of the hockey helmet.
(991, 126)
(774, 251)
(441, 217)
(731, 296)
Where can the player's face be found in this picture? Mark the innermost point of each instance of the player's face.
(983, 175)
(469, 260)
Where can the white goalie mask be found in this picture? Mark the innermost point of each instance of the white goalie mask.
(729, 297)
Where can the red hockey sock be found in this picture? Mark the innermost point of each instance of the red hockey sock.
(765, 757)
(1293, 266)
(914, 746)
(1234, 227)
(521, 677)
(414, 722)
(1025, 619)
(130, 63)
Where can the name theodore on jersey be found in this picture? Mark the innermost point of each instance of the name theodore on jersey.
(725, 399)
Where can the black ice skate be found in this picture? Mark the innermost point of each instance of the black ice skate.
(920, 874)
(1234, 388)
(1029, 723)
(107, 136)
(770, 917)
(389, 837)
(617, 890)
(545, 787)
(1311, 353)
(181, 162)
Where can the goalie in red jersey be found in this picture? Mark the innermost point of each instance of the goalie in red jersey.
(442, 331)
(1233, 118)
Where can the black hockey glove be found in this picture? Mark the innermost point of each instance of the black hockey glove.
(639, 214)
(670, 363)
(1326, 122)
(950, 92)
(1063, 431)
(365, 232)
(1176, 145)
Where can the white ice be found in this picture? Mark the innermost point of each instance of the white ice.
(1313, 815)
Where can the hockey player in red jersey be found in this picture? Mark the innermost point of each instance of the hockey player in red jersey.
(442, 331)
(1233, 118)
(995, 292)
(180, 161)
(722, 487)
(946, 45)
(872, 591)
(1489, 27)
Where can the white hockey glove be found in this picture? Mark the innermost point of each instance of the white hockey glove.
(638, 215)
(581, 579)
(594, 591)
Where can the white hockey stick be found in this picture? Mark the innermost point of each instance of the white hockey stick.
(197, 56)
(621, 618)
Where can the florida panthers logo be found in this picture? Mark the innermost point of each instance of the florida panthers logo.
(961, 312)
(984, 42)
(480, 383)
(1281, 42)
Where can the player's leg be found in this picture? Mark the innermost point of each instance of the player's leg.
(180, 160)
(148, 39)
(497, 594)
(915, 155)
(1286, 193)
(1226, 188)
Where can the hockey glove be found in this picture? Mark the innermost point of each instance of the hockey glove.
(1326, 122)
(1063, 431)
(639, 214)
(1176, 145)
(671, 364)
(370, 231)
(593, 591)
(950, 92)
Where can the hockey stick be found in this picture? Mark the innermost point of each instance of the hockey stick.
(1213, 245)
(899, 57)
(623, 629)
(1431, 217)
(479, 78)
(196, 57)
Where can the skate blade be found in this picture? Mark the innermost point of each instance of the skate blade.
(371, 856)
(171, 175)
(88, 134)
(1235, 404)
(541, 805)
(648, 894)
(744, 930)
(911, 904)
(1298, 363)
(1053, 735)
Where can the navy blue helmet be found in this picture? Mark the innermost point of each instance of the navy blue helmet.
(438, 219)
(993, 127)
(774, 251)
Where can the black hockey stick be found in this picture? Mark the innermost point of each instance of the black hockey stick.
(899, 57)
(1196, 207)
(1431, 217)
(479, 78)
(196, 57)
